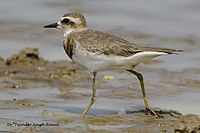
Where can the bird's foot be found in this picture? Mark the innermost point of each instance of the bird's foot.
(153, 113)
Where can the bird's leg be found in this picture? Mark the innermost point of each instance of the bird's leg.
(94, 97)
(140, 77)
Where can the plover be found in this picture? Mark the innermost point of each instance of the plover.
(98, 51)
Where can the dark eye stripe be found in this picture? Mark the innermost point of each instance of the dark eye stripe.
(66, 21)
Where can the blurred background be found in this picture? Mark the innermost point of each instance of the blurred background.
(172, 23)
(163, 23)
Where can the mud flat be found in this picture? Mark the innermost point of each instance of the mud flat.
(37, 95)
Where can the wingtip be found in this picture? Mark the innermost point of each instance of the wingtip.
(179, 50)
(175, 51)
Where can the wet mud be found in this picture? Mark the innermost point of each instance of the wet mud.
(38, 95)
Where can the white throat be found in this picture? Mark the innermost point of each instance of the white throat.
(67, 32)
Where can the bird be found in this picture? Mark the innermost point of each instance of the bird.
(98, 51)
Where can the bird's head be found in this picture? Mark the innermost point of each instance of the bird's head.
(69, 22)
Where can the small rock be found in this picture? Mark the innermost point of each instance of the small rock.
(14, 85)
(122, 111)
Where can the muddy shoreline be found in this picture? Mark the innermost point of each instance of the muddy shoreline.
(29, 83)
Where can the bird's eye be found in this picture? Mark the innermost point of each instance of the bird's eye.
(66, 21)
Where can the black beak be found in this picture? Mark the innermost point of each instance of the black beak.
(54, 25)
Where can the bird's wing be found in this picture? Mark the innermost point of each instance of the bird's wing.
(164, 50)
(103, 43)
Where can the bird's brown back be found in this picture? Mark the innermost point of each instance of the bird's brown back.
(104, 43)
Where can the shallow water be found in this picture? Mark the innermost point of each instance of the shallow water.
(186, 103)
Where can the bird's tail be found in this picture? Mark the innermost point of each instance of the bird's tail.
(147, 53)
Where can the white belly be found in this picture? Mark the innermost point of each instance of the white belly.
(101, 62)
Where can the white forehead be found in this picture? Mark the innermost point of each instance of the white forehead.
(75, 20)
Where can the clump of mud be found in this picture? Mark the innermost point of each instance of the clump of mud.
(1, 60)
(26, 55)
(27, 69)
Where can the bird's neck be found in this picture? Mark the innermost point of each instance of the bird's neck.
(69, 31)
